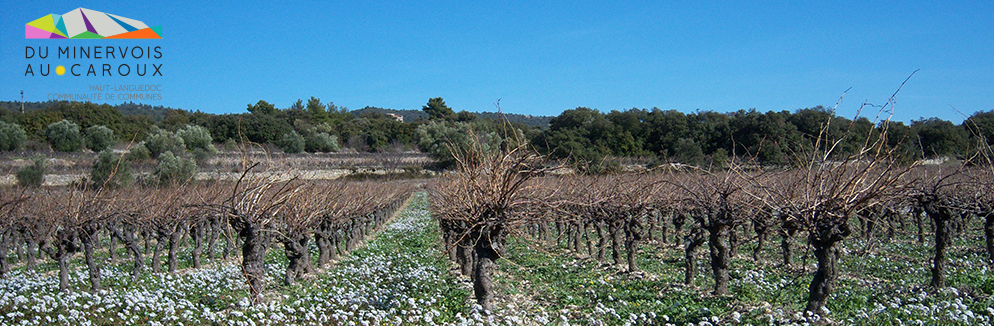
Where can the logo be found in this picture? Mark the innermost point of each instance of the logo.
(82, 23)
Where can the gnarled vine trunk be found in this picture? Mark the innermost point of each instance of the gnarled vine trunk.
(615, 229)
(127, 236)
(601, 241)
(65, 247)
(197, 233)
(720, 256)
(694, 240)
(940, 218)
(88, 237)
(824, 280)
(827, 233)
(174, 244)
(295, 249)
(633, 235)
(761, 234)
(488, 248)
(786, 238)
(254, 246)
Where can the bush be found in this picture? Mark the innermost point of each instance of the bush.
(173, 169)
(197, 137)
(64, 136)
(321, 142)
(99, 138)
(32, 175)
(12, 136)
(160, 141)
(111, 170)
(291, 142)
(139, 153)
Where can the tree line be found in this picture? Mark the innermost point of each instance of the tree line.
(586, 136)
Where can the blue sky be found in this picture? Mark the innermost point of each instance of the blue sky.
(542, 57)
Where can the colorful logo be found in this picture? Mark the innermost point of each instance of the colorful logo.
(82, 23)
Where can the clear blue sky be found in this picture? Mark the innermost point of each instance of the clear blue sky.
(543, 57)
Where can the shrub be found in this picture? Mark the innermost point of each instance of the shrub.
(197, 137)
(111, 170)
(99, 138)
(291, 142)
(321, 142)
(173, 169)
(12, 136)
(32, 175)
(139, 153)
(64, 136)
(160, 141)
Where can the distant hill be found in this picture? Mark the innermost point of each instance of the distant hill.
(157, 113)
(15, 106)
(526, 119)
(411, 115)
(129, 108)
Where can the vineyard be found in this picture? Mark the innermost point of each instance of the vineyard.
(508, 240)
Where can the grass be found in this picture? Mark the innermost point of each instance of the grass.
(402, 277)
(885, 286)
(397, 277)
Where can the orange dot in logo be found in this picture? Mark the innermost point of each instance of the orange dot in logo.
(60, 70)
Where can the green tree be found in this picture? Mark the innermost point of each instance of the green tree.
(32, 175)
(111, 170)
(160, 141)
(263, 128)
(901, 140)
(298, 105)
(317, 110)
(338, 115)
(663, 129)
(981, 125)
(173, 169)
(291, 142)
(99, 138)
(196, 137)
(437, 138)
(12, 136)
(688, 152)
(64, 136)
(937, 137)
(437, 110)
(440, 138)
(175, 119)
(712, 130)
(139, 153)
(321, 142)
(584, 136)
(262, 107)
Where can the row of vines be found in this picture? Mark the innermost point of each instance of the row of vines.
(817, 203)
(242, 219)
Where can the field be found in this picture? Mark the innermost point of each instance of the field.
(397, 277)
(401, 277)
(885, 286)
(502, 242)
